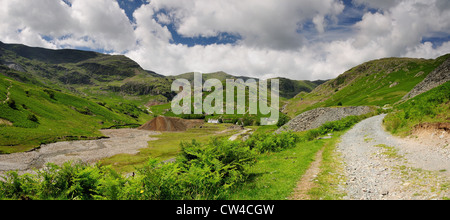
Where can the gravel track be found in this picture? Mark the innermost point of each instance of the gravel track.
(379, 166)
(120, 141)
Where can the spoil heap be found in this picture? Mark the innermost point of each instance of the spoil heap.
(170, 124)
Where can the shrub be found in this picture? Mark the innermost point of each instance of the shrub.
(50, 93)
(70, 181)
(11, 103)
(32, 117)
(283, 120)
(263, 142)
(208, 171)
(17, 187)
(155, 181)
(333, 127)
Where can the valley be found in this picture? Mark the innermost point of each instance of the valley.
(380, 129)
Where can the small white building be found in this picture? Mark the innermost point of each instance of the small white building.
(213, 121)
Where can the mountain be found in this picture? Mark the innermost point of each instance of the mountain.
(54, 95)
(222, 76)
(32, 115)
(436, 78)
(114, 77)
(377, 83)
(291, 88)
(288, 88)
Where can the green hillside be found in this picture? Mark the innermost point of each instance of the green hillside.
(378, 83)
(291, 88)
(432, 106)
(288, 88)
(31, 115)
(112, 77)
(56, 95)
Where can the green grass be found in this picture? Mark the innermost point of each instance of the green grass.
(432, 106)
(390, 152)
(370, 84)
(275, 175)
(60, 117)
(245, 172)
(329, 177)
(166, 147)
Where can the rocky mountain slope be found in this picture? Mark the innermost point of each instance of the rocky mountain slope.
(82, 72)
(436, 78)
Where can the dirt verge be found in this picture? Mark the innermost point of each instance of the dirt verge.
(307, 181)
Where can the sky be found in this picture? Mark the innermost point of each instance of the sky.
(296, 39)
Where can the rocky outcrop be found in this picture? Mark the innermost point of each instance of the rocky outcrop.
(436, 78)
(317, 117)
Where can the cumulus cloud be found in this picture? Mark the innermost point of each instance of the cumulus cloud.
(397, 30)
(275, 24)
(275, 38)
(99, 24)
(272, 42)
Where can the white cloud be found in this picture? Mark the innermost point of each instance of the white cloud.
(270, 23)
(99, 24)
(402, 27)
(296, 39)
(25, 22)
(426, 50)
(272, 47)
(104, 21)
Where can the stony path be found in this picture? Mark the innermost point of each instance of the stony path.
(379, 166)
(236, 136)
(121, 141)
(8, 93)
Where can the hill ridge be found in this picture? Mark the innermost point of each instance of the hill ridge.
(378, 82)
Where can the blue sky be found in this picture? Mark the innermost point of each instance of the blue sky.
(301, 39)
(223, 38)
(351, 15)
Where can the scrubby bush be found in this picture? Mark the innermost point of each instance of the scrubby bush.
(11, 103)
(16, 187)
(210, 170)
(202, 171)
(283, 120)
(32, 117)
(70, 181)
(263, 142)
(334, 126)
